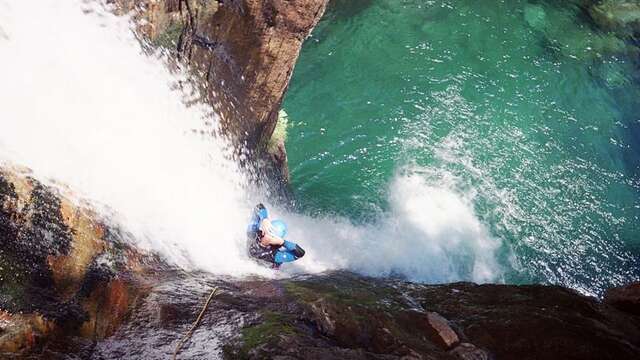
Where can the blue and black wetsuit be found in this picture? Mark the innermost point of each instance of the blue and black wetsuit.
(277, 255)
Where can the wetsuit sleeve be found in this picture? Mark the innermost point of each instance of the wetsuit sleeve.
(261, 212)
(293, 252)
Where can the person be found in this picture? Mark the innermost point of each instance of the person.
(266, 239)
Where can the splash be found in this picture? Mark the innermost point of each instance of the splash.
(429, 234)
(84, 105)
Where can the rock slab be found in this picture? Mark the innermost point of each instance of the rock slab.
(442, 333)
(625, 298)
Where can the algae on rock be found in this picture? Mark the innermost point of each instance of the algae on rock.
(622, 17)
(569, 36)
(52, 269)
(279, 135)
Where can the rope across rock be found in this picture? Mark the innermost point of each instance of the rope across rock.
(187, 336)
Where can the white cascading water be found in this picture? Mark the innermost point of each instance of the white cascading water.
(81, 104)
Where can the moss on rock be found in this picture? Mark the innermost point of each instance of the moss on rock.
(622, 17)
(273, 325)
(49, 273)
(168, 38)
(279, 135)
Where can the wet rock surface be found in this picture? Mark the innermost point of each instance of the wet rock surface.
(242, 54)
(625, 298)
(343, 315)
(72, 287)
(622, 17)
(63, 270)
(441, 332)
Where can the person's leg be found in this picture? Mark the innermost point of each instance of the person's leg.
(294, 248)
(293, 252)
(284, 256)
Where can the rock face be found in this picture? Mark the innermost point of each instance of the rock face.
(247, 51)
(72, 287)
(441, 332)
(392, 319)
(534, 322)
(346, 316)
(625, 298)
(243, 53)
(62, 269)
(254, 45)
(622, 17)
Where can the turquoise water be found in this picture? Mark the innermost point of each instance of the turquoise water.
(525, 108)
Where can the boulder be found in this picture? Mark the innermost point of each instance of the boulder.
(63, 269)
(622, 17)
(20, 332)
(625, 298)
(441, 332)
(466, 351)
(536, 17)
(533, 321)
(566, 33)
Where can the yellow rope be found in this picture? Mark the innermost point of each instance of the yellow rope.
(195, 324)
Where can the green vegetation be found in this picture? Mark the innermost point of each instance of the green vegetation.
(272, 326)
(351, 295)
(12, 282)
(279, 135)
(169, 38)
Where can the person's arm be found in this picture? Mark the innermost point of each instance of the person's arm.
(269, 239)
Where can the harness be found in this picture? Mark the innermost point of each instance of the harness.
(254, 234)
(260, 252)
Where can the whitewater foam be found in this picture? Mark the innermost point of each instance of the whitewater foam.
(83, 104)
(429, 234)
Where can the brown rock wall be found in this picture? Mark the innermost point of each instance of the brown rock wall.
(52, 280)
(243, 53)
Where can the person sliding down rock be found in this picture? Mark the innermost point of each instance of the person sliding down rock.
(266, 239)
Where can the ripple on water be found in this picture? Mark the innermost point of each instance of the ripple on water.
(528, 106)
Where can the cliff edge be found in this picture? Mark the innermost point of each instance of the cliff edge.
(243, 53)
